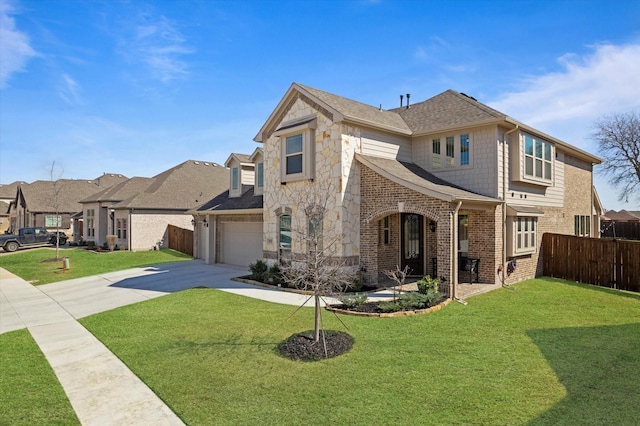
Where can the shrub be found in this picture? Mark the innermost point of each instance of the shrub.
(258, 271)
(389, 306)
(111, 242)
(354, 300)
(355, 286)
(274, 276)
(427, 284)
(410, 301)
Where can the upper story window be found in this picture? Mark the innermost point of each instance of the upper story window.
(297, 153)
(294, 154)
(435, 149)
(464, 150)
(533, 161)
(450, 148)
(235, 178)
(260, 176)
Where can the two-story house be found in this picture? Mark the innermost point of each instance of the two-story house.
(438, 186)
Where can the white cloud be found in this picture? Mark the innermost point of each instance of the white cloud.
(157, 43)
(69, 91)
(606, 81)
(15, 51)
(565, 104)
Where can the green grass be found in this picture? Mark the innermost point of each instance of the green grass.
(40, 267)
(548, 352)
(30, 393)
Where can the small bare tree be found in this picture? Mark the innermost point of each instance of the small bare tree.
(398, 276)
(618, 139)
(319, 269)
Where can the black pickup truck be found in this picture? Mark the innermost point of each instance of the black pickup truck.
(30, 237)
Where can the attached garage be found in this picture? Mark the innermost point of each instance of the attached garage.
(241, 243)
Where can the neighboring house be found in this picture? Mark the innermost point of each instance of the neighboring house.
(228, 228)
(435, 186)
(139, 210)
(621, 216)
(52, 204)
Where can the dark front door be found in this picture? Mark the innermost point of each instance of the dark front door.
(412, 243)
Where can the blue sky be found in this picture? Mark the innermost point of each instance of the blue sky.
(136, 87)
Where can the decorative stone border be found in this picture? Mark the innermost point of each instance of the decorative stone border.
(271, 286)
(346, 311)
(390, 314)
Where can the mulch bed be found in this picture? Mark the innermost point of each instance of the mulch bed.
(301, 346)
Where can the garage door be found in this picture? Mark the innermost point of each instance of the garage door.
(241, 243)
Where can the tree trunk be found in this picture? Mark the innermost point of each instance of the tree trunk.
(318, 313)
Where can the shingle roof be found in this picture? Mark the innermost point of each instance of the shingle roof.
(39, 196)
(182, 187)
(413, 176)
(8, 191)
(621, 216)
(222, 202)
(120, 191)
(359, 111)
(447, 110)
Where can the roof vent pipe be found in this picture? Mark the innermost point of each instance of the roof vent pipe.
(401, 99)
(408, 96)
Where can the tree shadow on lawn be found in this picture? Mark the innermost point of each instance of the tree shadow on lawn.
(600, 370)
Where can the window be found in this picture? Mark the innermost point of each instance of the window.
(385, 231)
(525, 235)
(464, 150)
(450, 150)
(293, 152)
(537, 158)
(91, 231)
(284, 245)
(260, 178)
(235, 178)
(435, 158)
(582, 225)
(121, 226)
(53, 221)
(297, 148)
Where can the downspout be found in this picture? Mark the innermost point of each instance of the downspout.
(504, 199)
(454, 250)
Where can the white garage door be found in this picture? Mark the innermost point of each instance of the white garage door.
(241, 243)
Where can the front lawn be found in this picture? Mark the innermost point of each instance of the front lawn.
(544, 352)
(39, 266)
(30, 393)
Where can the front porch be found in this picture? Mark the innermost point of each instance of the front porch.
(405, 222)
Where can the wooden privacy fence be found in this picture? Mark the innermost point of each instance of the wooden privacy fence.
(180, 239)
(598, 261)
(625, 230)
